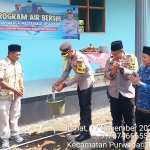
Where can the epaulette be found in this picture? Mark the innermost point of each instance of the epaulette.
(132, 62)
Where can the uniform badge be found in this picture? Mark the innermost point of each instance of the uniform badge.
(80, 66)
(39, 8)
(29, 8)
(18, 7)
(132, 62)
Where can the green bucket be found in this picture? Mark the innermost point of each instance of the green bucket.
(57, 107)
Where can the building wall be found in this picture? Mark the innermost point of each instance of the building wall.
(41, 58)
(36, 109)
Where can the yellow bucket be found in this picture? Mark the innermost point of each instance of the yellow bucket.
(57, 107)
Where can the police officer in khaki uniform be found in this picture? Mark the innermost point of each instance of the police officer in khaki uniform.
(70, 25)
(117, 69)
(85, 79)
(11, 89)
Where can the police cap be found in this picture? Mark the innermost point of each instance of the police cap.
(69, 11)
(14, 47)
(65, 48)
(116, 45)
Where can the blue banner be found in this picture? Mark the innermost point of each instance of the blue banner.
(36, 20)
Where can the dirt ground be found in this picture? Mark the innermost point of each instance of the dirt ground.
(63, 124)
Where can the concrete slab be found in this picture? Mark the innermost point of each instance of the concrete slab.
(99, 140)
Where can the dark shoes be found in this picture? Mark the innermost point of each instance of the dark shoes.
(140, 144)
(83, 136)
(80, 129)
(139, 149)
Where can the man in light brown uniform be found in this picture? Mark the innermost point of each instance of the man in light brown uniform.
(11, 89)
(85, 79)
(117, 69)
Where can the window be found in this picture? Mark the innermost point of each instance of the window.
(92, 12)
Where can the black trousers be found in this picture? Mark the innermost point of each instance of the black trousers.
(122, 109)
(142, 124)
(85, 97)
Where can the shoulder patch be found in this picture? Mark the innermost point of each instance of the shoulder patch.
(80, 66)
(132, 62)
